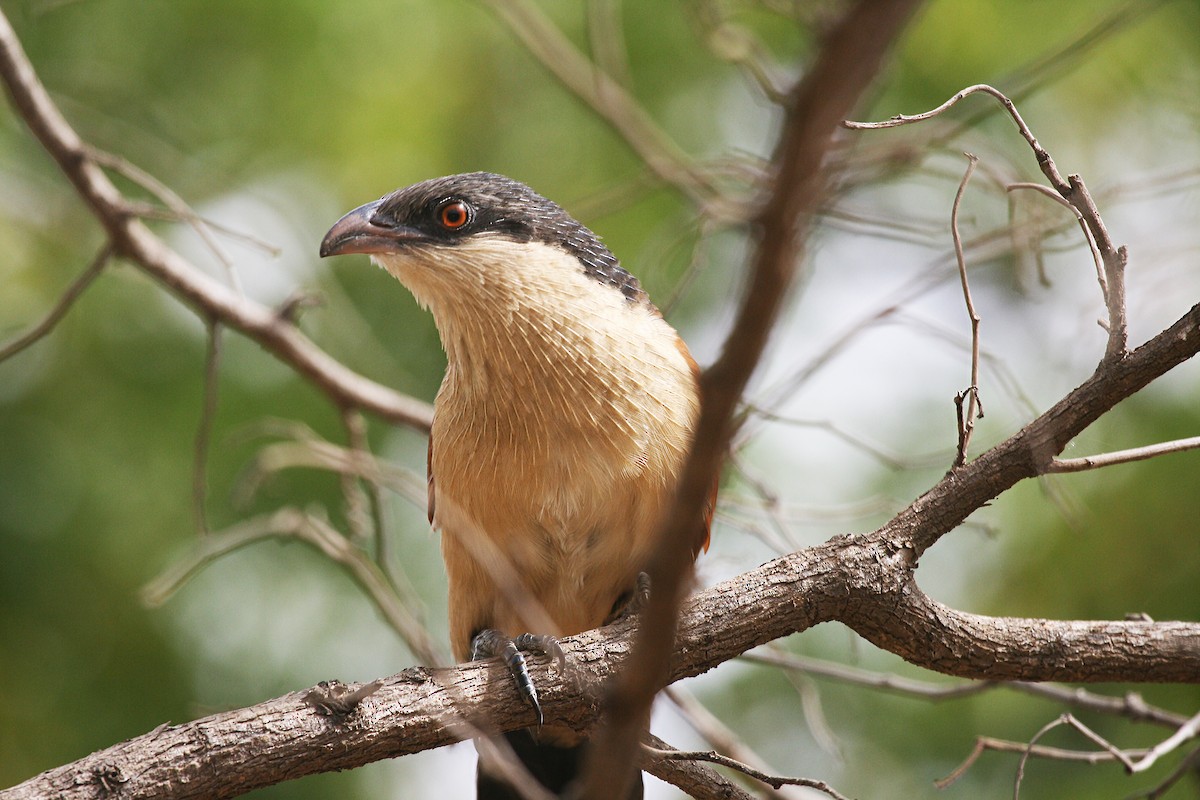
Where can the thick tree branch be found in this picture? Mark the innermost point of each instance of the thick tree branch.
(851, 578)
(135, 242)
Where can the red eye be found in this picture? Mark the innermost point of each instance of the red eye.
(454, 215)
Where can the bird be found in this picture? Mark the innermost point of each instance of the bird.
(560, 429)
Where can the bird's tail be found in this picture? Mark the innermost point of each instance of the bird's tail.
(554, 766)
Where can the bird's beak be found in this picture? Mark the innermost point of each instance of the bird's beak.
(358, 233)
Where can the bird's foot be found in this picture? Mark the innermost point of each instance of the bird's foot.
(492, 644)
(632, 602)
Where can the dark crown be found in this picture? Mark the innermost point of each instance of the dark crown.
(499, 205)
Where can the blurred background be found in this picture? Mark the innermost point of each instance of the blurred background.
(273, 118)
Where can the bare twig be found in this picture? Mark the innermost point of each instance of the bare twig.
(1122, 456)
(1186, 765)
(718, 735)
(1133, 761)
(737, 45)
(60, 309)
(1065, 719)
(305, 448)
(1186, 732)
(845, 67)
(1130, 705)
(604, 95)
(208, 413)
(1060, 60)
(363, 512)
(172, 201)
(132, 240)
(984, 744)
(775, 781)
(697, 779)
(974, 406)
(888, 458)
(1097, 257)
(1072, 190)
(293, 523)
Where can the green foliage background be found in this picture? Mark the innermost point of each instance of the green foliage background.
(275, 117)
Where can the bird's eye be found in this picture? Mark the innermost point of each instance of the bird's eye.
(454, 214)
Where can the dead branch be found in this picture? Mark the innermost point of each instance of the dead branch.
(774, 781)
(845, 67)
(135, 242)
(1072, 190)
(974, 406)
(60, 309)
(1123, 456)
(698, 780)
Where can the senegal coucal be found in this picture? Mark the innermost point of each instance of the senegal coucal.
(560, 429)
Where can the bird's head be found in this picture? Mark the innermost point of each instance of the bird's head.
(480, 240)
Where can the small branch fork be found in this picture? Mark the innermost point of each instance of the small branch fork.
(1073, 191)
(713, 757)
(1134, 761)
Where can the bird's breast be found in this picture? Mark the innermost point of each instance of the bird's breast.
(559, 442)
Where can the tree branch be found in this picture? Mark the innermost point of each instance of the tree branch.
(60, 309)
(227, 754)
(134, 241)
(847, 64)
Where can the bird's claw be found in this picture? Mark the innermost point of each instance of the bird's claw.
(641, 595)
(492, 644)
(632, 602)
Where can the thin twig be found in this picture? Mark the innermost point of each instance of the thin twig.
(1130, 705)
(974, 409)
(775, 781)
(171, 200)
(1097, 257)
(151, 211)
(1122, 456)
(1072, 189)
(984, 744)
(208, 413)
(1047, 67)
(735, 44)
(293, 523)
(60, 309)
(320, 454)
(362, 512)
(695, 778)
(133, 240)
(1067, 719)
(1186, 732)
(716, 733)
(605, 96)
(888, 458)
(1187, 765)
